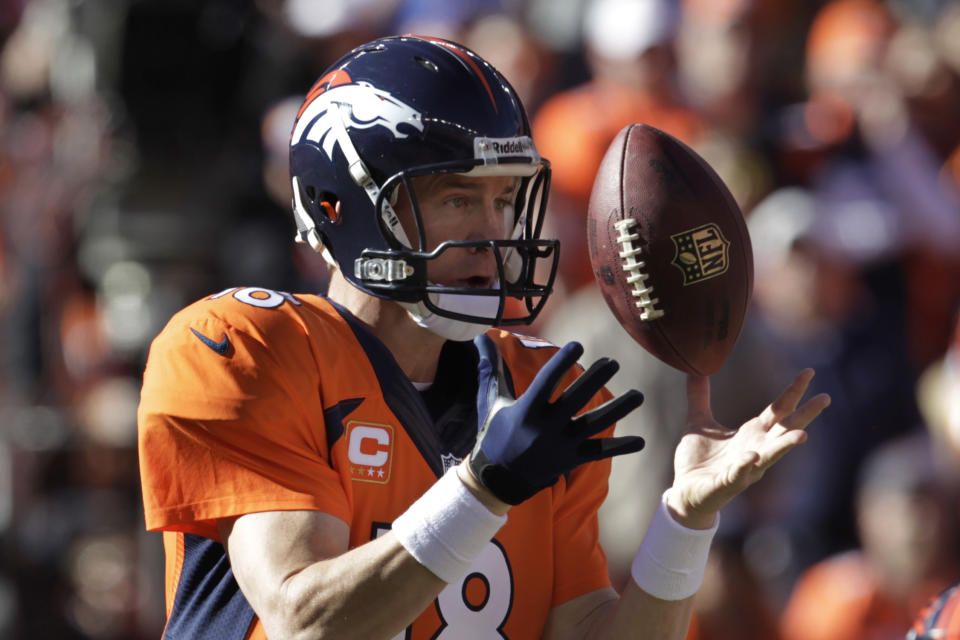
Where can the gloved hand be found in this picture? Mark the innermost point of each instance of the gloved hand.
(526, 444)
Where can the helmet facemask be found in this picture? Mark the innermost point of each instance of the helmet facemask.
(525, 265)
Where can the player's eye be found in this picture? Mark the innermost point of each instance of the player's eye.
(457, 202)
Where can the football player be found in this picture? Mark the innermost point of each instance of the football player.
(383, 463)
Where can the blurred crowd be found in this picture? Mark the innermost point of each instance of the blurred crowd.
(143, 151)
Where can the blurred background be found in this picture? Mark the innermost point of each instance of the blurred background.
(143, 165)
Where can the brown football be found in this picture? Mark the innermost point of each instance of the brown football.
(670, 249)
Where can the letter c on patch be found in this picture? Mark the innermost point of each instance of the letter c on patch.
(369, 446)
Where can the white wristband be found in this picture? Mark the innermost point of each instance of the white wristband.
(672, 558)
(447, 527)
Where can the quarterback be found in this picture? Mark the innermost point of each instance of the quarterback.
(390, 460)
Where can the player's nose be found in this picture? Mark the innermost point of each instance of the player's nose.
(488, 225)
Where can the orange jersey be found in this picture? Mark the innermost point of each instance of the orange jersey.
(840, 598)
(255, 400)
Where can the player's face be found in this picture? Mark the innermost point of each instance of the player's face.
(455, 207)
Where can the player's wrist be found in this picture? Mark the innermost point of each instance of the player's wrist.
(484, 495)
(685, 515)
(672, 558)
(447, 527)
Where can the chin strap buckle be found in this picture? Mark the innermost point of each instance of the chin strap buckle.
(381, 269)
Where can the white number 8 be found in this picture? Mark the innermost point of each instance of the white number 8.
(476, 607)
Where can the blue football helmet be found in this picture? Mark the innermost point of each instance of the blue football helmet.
(403, 107)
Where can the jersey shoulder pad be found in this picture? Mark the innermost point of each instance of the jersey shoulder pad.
(243, 307)
(252, 318)
(258, 311)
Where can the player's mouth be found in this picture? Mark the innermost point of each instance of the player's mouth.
(476, 282)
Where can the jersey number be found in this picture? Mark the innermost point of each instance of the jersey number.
(257, 297)
(476, 607)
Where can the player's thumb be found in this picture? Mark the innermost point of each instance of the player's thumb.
(489, 355)
(490, 386)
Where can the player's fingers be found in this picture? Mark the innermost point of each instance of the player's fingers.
(596, 420)
(780, 448)
(587, 385)
(600, 448)
(807, 412)
(698, 397)
(550, 375)
(788, 400)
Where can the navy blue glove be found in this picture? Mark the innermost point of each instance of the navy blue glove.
(526, 444)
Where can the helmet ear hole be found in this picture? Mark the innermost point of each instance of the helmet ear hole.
(330, 211)
(329, 206)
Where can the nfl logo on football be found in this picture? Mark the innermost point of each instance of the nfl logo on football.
(701, 253)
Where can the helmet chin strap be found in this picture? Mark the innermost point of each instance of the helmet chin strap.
(456, 330)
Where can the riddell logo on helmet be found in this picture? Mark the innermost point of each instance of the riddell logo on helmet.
(357, 105)
(511, 147)
(496, 147)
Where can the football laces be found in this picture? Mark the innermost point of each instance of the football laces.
(634, 268)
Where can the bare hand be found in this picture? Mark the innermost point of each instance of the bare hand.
(713, 463)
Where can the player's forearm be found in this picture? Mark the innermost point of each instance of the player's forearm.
(373, 591)
(637, 614)
(301, 579)
(666, 573)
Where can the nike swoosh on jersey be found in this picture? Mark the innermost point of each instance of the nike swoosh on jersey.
(220, 347)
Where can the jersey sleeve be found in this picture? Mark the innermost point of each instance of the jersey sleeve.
(234, 431)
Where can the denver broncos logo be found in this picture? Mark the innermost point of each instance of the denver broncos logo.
(361, 105)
